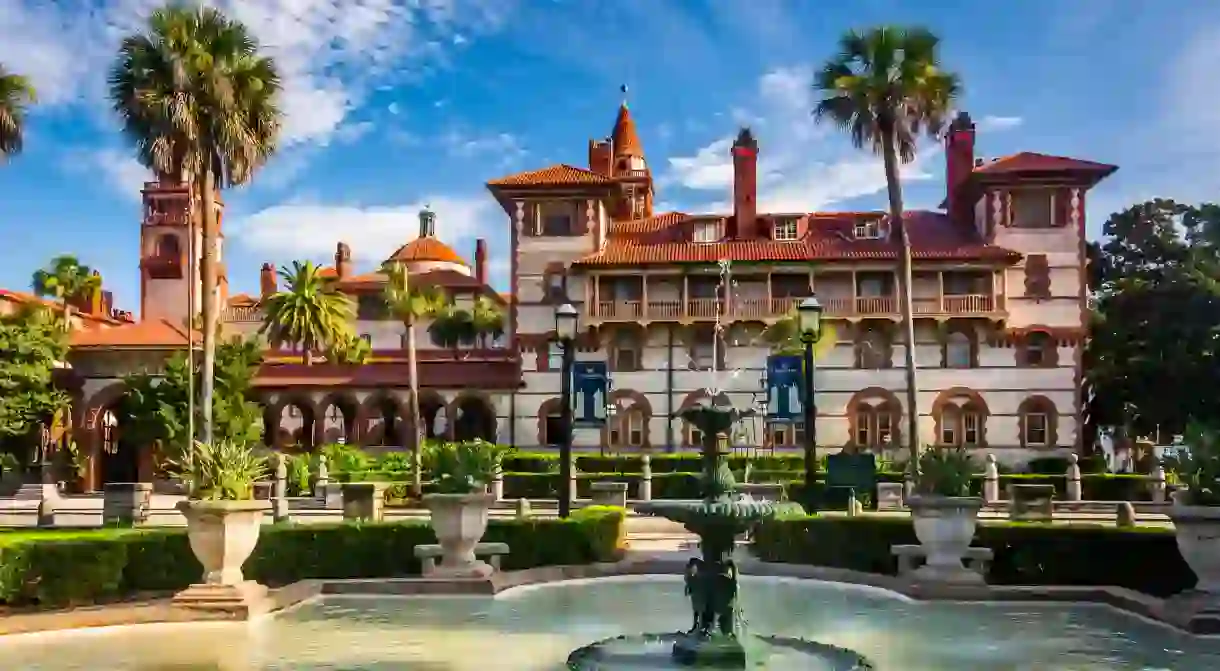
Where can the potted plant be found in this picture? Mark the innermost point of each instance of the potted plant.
(460, 503)
(223, 522)
(944, 514)
(1196, 506)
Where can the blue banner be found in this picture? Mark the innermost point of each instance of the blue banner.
(784, 388)
(590, 389)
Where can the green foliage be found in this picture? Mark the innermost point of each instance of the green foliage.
(16, 95)
(1024, 553)
(309, 312)
(462, 467)
(32, 341)
(224, 470)
(78, 568)
(65, 278)
(157, 411)
(1153, 335)
(945, 471)
(348, 349)
(1199, 469)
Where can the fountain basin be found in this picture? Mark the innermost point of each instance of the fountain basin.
(536, 628)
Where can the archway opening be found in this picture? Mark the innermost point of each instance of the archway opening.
(295, 427)
(386, 423)
(119, 454)
(338, 416)
(474, 418)
(433, 416)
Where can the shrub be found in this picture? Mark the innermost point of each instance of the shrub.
(97, 565)
(1025, 553)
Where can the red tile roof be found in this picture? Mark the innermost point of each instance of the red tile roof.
(243, 301)
(626, 142)
(23, 298)
(555, 175)
(662, 239)
(149, 334)
(1028, 161)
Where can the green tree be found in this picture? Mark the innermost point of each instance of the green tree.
(487, 319)
(199, 102)
(309, 312)
(349, 349)
(16, 95)
(452, 327)
(409, 305)
(885, 88)
(63, 279)
(1154, 345)
(157, 409)
(32, 345)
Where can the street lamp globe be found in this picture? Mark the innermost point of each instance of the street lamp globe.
(566, 319)
(809, 319)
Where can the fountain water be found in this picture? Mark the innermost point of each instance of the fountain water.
(716, 638)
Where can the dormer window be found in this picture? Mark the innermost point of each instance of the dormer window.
(868, 230)
(706, 231)
(1033, 208)
(784, 231)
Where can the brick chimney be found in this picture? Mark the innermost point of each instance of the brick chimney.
(266, 281)
(959, 163)
(745, 186)
(480, 260)
(343, 260)
(600, 158)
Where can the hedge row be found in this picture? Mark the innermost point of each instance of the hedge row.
(74, 568)
(1145, 559)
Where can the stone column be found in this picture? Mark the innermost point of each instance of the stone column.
(364, 501)
(645, 478)
(991, 481)
(279, 490)
(319, 487)
(126, 503)
(1074, 492)
(497, 484)
(575, 478)
(1158, 484)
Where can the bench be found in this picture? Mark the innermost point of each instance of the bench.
(428, 554)
(977, 558)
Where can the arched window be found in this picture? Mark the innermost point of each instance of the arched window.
(627, 428)
(1039, 420)
(625, 352)
(167, 247)
(874, 424)
(1039, 351)
(959, 350)
(873, 350)
(961, 426)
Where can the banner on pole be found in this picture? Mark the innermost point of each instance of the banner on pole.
(784, 388)
(590, 389)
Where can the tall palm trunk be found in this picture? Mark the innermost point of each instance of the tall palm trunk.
(894, 187)
(207, 269)
(417, 433)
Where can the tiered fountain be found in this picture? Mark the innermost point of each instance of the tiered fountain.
(716, 639)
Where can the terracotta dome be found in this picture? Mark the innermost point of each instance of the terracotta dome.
(426, 249)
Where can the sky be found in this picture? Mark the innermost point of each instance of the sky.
(394, 104)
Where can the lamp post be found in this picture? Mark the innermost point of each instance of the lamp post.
(566, 322)
(809, 321)
(611, 413)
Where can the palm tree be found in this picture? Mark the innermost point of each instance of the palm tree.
(309, 312)
(63, 279)
(487, 319)
(452, 327)
(199, 103)
(410, 305)
(885, 88)
(16, 95)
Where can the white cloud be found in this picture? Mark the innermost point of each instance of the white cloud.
(467, 145)
(330, 52)
(308, 230)
(803, 166)
(999, 123)
(121, 171)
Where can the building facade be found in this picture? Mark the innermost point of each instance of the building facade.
(675, 303)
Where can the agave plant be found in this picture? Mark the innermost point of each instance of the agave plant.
(1199, 467)
(224, 470)
(945, 471)
(465, 467)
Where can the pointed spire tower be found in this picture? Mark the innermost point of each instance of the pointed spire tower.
(629, 167)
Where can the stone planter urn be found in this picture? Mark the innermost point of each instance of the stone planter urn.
(945, 526)
(459, 521)
(1198, 532)
(223, 534)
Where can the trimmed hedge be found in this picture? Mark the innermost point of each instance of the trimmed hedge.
(1145, 559)
(73, 568)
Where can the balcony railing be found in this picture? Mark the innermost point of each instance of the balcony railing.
(241, 314)
(773, 308)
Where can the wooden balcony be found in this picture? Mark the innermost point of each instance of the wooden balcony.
(768, 309)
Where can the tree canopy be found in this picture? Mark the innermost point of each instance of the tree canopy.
(309, 312)
(1153, 357)
(16, 95)
(32, 343)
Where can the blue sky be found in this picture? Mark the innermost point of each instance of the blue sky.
(391, 106)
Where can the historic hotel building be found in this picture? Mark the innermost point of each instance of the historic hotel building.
(999, 294)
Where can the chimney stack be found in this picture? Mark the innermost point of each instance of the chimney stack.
(343, 261)
(600, 158)
(745, 186)
(480, 260)
(266, 281)
(959, 163)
